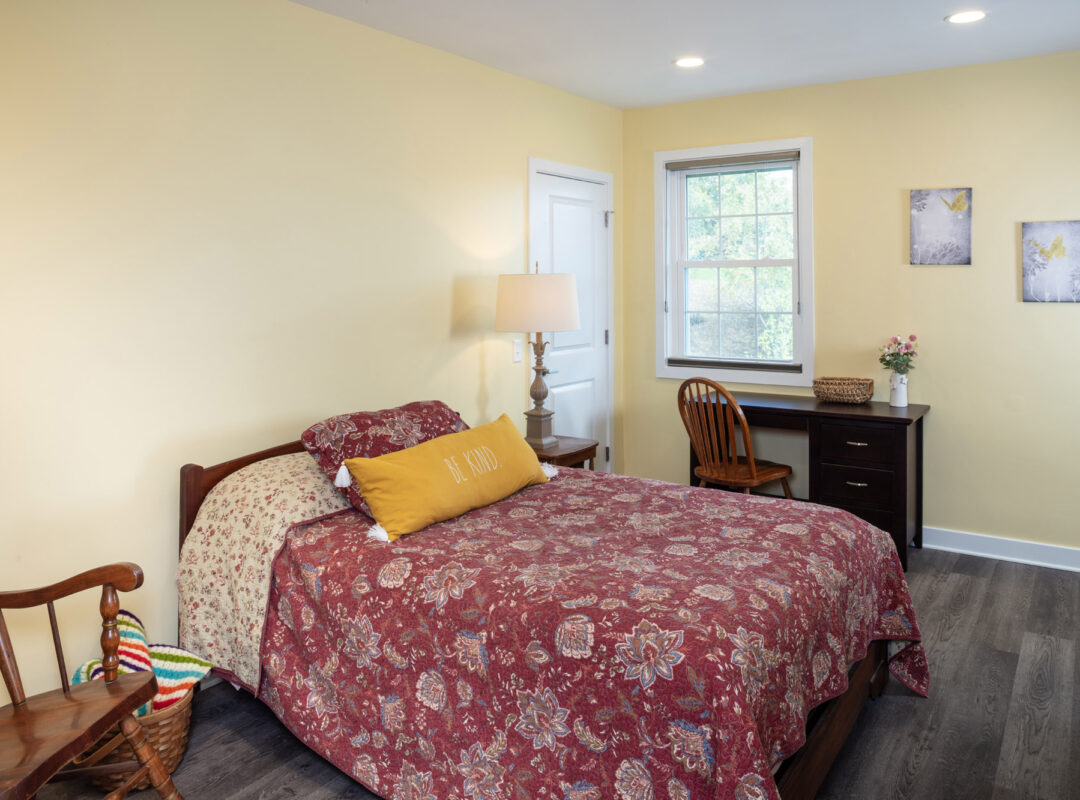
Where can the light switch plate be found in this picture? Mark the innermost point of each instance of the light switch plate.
(517, 351)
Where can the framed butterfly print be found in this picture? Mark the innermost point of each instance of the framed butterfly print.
(1051, 261)
(941, 226)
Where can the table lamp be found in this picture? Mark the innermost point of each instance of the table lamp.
(534, 303)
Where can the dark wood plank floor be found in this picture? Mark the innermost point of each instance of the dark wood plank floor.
(1002, 721)
(1003, 718)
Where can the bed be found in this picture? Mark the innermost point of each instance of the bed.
(597, 636)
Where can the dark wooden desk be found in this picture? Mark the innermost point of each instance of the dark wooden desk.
(866, 459)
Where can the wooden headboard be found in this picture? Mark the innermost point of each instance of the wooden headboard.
(196, 481)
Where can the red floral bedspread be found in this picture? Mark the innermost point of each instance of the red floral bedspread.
(594, 637)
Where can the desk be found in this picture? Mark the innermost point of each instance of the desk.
(866, 458)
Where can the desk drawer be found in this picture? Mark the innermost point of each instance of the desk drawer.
(857, 443)
(859, 485)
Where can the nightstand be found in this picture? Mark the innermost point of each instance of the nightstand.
(569, 452)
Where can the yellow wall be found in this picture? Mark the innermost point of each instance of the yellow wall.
(1002, 376)
(219, 223)
(222, 220)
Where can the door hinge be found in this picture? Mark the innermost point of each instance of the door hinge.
(666, 309)
(606, 340)
(798, 307)
(607, 218)
(607, 454)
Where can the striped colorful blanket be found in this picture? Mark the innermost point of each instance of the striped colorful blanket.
(176, 669)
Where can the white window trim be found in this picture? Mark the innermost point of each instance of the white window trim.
(804, 324)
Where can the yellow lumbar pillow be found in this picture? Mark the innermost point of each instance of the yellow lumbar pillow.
(446, 476)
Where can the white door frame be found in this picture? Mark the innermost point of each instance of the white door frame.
(539, 166)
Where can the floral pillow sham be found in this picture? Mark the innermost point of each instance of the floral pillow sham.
(369, 434)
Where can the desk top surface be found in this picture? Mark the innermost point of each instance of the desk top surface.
(800, 406)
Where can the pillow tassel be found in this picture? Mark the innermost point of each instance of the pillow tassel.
(378, 533)
(343, 480)
(550, 470)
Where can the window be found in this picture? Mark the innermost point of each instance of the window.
(734, 263)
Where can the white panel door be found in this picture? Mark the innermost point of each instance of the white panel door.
(570, 219)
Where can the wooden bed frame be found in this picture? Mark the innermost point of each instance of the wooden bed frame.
(827, 728)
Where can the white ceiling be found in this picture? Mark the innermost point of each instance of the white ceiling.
(620, 52)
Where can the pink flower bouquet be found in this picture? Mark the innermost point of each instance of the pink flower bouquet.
(898, 354)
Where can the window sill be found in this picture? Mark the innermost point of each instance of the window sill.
(765, 377)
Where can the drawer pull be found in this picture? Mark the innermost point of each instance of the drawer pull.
(856, 484)
(859, 444)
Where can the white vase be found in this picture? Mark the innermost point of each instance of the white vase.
(898, 390)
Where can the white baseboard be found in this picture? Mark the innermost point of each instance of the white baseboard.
(1055, 556)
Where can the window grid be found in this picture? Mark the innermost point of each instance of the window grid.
(717, 265)
(721, 314)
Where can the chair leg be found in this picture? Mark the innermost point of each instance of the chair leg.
(703, 484)
(787, 489)
(746, 490)
(148, 757)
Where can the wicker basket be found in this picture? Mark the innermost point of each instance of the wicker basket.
(844, 390)
(167, 730)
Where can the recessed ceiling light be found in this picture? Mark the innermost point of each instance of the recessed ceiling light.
(689, 61)
(964, 17)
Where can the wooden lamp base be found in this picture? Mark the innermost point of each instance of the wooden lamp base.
(538, 428)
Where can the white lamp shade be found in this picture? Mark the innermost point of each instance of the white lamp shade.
(528, 303)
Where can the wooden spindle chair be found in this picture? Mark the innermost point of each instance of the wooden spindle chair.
(710, 415)
(42, 734)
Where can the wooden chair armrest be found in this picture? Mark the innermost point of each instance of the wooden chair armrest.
(124, 577)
